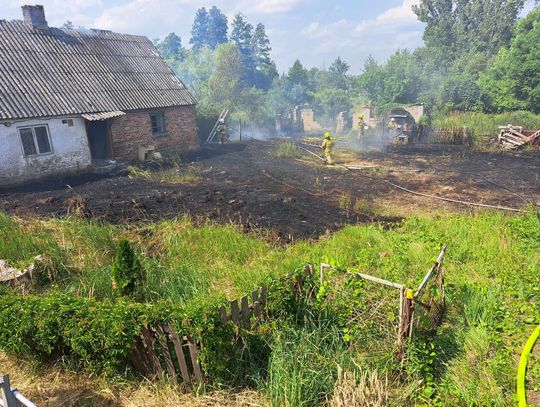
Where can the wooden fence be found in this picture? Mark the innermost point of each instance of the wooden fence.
(444, 136)
(242, 312)
(161, 349)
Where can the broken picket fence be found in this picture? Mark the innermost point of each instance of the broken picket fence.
(162, 351)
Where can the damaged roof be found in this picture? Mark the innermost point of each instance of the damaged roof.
(55, 72)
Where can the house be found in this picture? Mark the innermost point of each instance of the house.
(69, 98)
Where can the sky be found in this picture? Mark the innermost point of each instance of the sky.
(314, 31)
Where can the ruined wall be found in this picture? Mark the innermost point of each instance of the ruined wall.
(70, 150)
(416, 111)
(308, 121)
(369, 117)
(134, 129)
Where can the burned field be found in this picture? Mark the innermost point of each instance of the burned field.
(294, 197)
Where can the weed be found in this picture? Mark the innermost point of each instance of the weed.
(286, 149)
(361, 390)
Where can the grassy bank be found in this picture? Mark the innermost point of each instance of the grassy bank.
(482, 126)
(492, 276)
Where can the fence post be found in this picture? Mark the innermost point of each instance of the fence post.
(8, 399)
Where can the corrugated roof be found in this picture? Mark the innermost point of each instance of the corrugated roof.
(101, 115)
(61, 72)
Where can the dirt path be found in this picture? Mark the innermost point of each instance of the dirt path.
(291, 198)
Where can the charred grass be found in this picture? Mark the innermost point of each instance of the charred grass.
(493, 288)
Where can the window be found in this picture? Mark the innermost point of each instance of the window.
(157, 120)
(35, 140)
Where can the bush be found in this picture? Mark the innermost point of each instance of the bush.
(129, 276)
(287, 150)
(92, 334)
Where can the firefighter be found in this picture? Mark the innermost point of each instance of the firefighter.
(361, 126)
(222, 131)
(392, 127)
(327, 146)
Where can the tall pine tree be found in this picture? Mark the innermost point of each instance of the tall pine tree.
(266, 70)
(217, 27)
(242, 38)
(199, 30)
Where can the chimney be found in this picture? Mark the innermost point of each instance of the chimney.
(35, 16)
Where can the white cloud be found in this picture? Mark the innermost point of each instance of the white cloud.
(395, 28)
(392, 18)
(270, 6)
(152, 17)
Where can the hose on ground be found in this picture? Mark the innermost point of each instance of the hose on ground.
(522, 367)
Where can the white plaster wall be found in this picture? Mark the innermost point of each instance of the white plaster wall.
(69, 144)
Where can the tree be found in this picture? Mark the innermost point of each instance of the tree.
(371, 82)
(242, 38)
(337, 74)
(297, 74)
(223, 87)
(513, 81)
(266, 70)
(217, 28)
(199, 30)
(398, 81)
(68, 25)
(171, 47)
(455, 28)
(128, 273)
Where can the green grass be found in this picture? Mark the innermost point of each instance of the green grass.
(482, 126)
(492, 284)
(303, 365)
(286, 149)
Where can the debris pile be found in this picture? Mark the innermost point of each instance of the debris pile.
(31, 273)
(513, 137)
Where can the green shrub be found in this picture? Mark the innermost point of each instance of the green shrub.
(129, 276)
(93, 334)
(286, 149)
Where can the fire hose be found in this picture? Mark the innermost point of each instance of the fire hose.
(522, 367)
(441, 198)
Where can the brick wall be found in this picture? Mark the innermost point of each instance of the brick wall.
(134, 129)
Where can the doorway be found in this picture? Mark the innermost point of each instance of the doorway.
(98, 139)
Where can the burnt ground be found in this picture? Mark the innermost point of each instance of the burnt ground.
(292, 198)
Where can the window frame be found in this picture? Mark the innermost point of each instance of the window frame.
(160, 114)
(34, 138)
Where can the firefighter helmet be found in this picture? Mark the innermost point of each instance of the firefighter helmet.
(327, 135)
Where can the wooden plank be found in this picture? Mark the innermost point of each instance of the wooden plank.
(193, 353)
(8, 400)
(256, 303)
(246, 313)
(149, 341)
(139, 359)
(264, 296)
(234, 311)
(179, 350)
(162, 339)
(379, 280)
(223, 314)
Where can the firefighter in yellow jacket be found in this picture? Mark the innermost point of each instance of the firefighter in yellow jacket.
(361, 127)
(327, 146)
